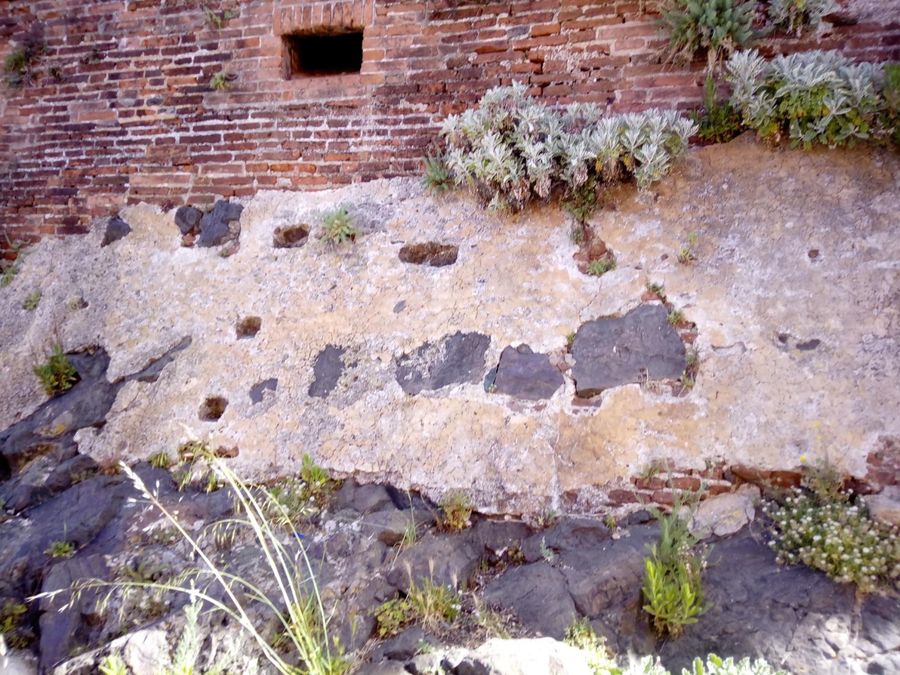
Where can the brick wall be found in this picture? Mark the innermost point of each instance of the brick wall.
(120, 109)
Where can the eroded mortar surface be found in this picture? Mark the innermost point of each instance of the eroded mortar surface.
(794, 293)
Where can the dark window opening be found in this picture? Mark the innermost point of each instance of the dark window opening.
(323, 53)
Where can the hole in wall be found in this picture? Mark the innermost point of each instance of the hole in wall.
(290, 237)
(248, 327)
(430, 253)
(323, 53)
(213, 408)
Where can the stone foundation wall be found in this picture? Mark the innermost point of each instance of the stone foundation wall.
(119, 108)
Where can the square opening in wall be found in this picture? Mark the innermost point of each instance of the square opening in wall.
(333, 53)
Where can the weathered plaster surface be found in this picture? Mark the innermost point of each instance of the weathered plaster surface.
(758, 399)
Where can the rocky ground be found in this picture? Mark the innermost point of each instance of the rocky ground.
(519, 580)
(366, 354)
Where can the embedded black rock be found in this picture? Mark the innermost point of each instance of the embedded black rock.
(116, 229)
(613, 351)
(536, 593)
(327, 370)
(258, 390)
(187, 218)
(431, 254)
(220, 225)
(523, 374)
(456, 359)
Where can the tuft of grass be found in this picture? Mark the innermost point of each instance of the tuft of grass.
(160, 460)
(456, 510)
(657, 289)
(576, 233)
(429, 603)
(676, 318)
(581, 635)
(319, 483)
(113, 664)
(597, 268)
(218, 20)
(296, 607)
(61, 549)
(32, 301)
(437, 178)
(570, 340)
(57, 374)
(673, 587)
(338, 228)
(13, 627)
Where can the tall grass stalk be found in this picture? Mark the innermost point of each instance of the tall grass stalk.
(299, 613)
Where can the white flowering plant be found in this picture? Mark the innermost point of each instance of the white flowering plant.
(513, 149)
(809, 97)
(837, 537)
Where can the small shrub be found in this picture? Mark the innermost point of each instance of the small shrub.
(673, 588)
(437, 176)
(795, 16)
(717, 122)
(656, 289)
(338, 227)
(716, 27)
(810, 97)
(891, 93)
(61, 549)
(32, 301)
(576, 233)
(456, 509)
(57, 374)
(430, 604)
(838, 538)
(218, 20)
(513, 149)
(597, 268)
(582, 636)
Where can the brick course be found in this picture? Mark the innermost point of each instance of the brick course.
(120, 109)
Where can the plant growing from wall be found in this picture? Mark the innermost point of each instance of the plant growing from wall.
(832, 532)
(337, 226)
(810, 97)
(716, 27)
(20, 62)
(717, 122)
(437, 176)
(796, 16)
(218, 19)
(31, 301)
(673, 588)
(221, 81)
(57, 374)
(891, 93)
(512, 149)
(456, 511)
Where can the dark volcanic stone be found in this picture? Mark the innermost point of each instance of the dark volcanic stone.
(524, 374)
(258, 390)
(610, 352)
(456, 359)
(116, 229)
(327, 371)
(537, 595)
(220, 225)
(446, 560)
(566, 534)
(431, 253)
(187, 218)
